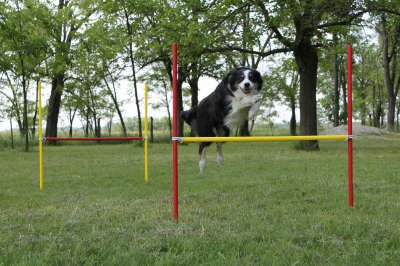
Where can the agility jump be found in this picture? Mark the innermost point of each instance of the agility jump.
(44, 139)
(176, 139)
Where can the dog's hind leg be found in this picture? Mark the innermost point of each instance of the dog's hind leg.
(220, 155)
(222, 132)
(202, 153)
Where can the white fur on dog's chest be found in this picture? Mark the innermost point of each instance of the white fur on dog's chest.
(237, 115)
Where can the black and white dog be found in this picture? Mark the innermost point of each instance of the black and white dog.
(236, 99)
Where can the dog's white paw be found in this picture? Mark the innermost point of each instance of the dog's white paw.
(254, 109)
(251, 100)
(257, 98)
(202, 165)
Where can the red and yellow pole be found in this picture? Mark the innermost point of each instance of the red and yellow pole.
(350, 124)
(175, 132)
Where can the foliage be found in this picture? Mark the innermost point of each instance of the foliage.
(88, 44)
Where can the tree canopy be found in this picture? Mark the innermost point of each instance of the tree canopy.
(92, 52)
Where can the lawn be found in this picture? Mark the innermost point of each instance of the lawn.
(269, 205)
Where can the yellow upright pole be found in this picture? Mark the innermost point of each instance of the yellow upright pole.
(146, 140)
(39, 87)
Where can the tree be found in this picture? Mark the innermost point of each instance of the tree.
(283, 85)
(106, 46)
(109, 80)
(24, 49)
(159, 85)
(389, 32)
(63, 27)
(71, 102)
(308, 21)
(87, 76)
(159, 24)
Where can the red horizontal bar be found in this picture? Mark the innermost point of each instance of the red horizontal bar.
(95, 139)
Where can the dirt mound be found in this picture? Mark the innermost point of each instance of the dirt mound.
(357, 131)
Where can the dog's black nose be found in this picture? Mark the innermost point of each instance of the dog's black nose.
(247, 84)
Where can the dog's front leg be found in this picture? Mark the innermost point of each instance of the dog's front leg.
(202, 152)
(254, 109)
(250, 100)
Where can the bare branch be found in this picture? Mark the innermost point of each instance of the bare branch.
(386, 10)
(7, 96)
(285, 41)
(344, 22)
(239, 49)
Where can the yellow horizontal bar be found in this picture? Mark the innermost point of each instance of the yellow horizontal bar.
(262, 138)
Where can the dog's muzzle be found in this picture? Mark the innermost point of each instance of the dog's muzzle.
(247, 88)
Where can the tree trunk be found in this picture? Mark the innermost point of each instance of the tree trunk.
(25, 114)
(377, 116)
(398, 117)
(135, 90)
(16, 107)
(167, 107)
(374, 104)
(87, 125)
(363, 103)
(109, 127)
(97, 128)
(151, 129)
(336, 94)
(194, 90)
(391, 113)
(12, 133)
(71, 121)
(132, 61)
(344, 96)
(63, 44)
(35, 116)
(180, 106)
(307, 62)
(293, 117)
(390, 69)
(377, 107)
(116, 104)
(57, 85)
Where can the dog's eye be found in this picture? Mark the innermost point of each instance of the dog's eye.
(253, 78)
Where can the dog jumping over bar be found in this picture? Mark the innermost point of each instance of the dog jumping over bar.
(235, 100)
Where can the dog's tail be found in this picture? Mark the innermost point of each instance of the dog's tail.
(189, 116)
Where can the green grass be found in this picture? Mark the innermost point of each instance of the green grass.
(269, 205)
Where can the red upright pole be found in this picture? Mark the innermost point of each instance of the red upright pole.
(350, 123)
(175, 132)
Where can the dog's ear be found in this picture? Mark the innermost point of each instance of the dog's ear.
(188, 116)
(258, 79)
(230, 82)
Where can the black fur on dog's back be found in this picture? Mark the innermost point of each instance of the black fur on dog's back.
(207, 119)
(209, 115)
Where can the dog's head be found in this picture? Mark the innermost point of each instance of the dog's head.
(245, 79)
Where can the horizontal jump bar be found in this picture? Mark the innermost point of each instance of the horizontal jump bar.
(260, 138)
(95, 139)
